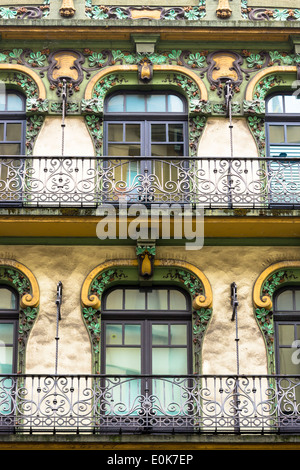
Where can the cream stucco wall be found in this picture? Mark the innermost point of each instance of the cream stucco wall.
(77, 141)
(222, 266)
(215, 140)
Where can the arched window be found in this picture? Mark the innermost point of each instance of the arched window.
(152, 126)
(283, 125)
(146, 331)
(283, 145)
(146, 351)
(287, 330)
(12, 143)
(145, 125)
(12, 123)
(9, 321)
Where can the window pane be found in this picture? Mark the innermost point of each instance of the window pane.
(286, 334)
(157, 300)
(156, 104)
(114, 334)
(133, 133)
(115, 132)
(1, 131)
(275, 105)
(292, 104)
(177, 300)
(114, 300)
(116, 104)
(175, 104)
(178, 335)
(171, 361)
(175, 132)
(2, 101)
(6, 350)
(7, 300)
(13, 131)
(134, 300)
(132, 334)
(14, 103)
(10, 149)
(297, 299)
(158, 133)
(287, 364)
(293, 134)
(120, 150)
(276, 134)
(164, 150)
(135, 104)
(160, 334)
(6, 334)
(285, 301)
(123, 361)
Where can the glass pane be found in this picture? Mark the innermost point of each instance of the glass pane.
(6, 350)
(1, 131)
(293, 134)
(121, 150)
(285, 301)
(157, 300)
(14, 103)
(171, 361)
(135, 300)
(10, 149)
(292, 104)
(297, 299)
(164, 150)
(175, 104)
(276, 134)
(298, 332)
(287, 363)
(286, 334)
(178, 335)
(135, 104)
(6, 360)
(177, 300)
(175, 132)
(114, 334)
(6, 334)
(116, 104)
(158, 133)
(160, 334)
(13, 131)
(7, 300)
(114, 300)
(2, 101)
(275, 105)
(132, 334)
(123, 361)
(156, 104)
(115, 132)
(133, 133)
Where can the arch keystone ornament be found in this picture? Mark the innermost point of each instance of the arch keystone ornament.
(175, 272)
(24, 282)
(271, 279)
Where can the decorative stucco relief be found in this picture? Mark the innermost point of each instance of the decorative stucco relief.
(188, 13)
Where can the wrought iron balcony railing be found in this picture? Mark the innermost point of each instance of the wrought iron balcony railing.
(188, 404)
(209, 182)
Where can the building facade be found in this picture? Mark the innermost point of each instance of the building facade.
(149, 208)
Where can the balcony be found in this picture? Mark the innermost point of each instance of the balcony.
(217, 183)
(105, 404)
